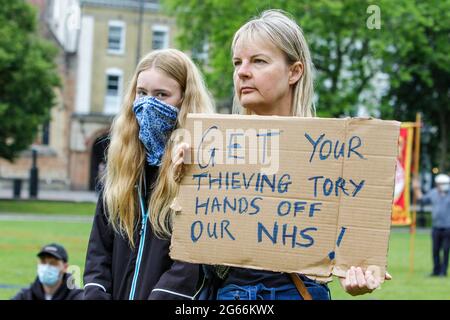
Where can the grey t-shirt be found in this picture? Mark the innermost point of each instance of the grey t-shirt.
(440, 203)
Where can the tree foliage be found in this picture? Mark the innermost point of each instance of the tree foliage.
(27, 77)
(419, 72)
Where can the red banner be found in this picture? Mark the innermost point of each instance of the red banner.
(401, 215)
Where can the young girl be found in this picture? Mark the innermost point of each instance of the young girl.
(126, 257)
(273, 75)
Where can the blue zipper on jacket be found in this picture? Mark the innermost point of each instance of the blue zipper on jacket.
(141, 247)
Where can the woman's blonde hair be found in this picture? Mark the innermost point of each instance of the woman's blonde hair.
(125, 166)
(281, 30)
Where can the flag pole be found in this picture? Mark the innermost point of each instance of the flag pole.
(412, 229)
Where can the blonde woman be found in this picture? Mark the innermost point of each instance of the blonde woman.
(273, 75)
(127, 258)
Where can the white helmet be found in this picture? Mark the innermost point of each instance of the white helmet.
(442, 178)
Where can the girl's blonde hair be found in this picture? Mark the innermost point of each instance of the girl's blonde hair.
(126, 154)
(281, 30)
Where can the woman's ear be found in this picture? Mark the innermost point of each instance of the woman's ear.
(295, 72)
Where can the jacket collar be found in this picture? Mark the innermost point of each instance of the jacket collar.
(38, 290)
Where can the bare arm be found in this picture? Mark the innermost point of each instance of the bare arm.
(417, 188)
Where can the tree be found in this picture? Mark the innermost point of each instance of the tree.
(28, 78)
(419, 69)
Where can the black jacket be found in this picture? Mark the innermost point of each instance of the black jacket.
(36, 292)
(111, 262)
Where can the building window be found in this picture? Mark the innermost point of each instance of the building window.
(116, 37)
(160, 37)
(113, 94)
(46, 133)
(112, 85)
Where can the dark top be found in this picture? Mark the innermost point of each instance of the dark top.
(110, 262)
(36, 292)
(247, 277)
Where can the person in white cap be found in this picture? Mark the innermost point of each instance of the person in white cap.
(439, 198)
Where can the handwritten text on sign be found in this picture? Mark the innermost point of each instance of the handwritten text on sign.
(308, 215)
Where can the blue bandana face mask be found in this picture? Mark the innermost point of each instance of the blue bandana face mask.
(156, 121)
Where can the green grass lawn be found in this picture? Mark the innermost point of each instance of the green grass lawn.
(47, 207)
(406, 285)
(20, 241)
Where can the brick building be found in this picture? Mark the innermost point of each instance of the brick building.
(99, 45)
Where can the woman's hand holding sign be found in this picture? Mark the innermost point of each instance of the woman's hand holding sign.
(358, 282)
(178, 161)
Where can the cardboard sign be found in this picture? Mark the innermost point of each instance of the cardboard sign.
(306, 195)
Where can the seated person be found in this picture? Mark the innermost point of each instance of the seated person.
(52, 281)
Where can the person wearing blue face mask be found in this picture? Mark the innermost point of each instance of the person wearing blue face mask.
(128, 251)
(52, 282)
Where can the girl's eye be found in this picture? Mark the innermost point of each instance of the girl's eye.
(142, 93)
(161, 95)
(259, 61)
(236, 63)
